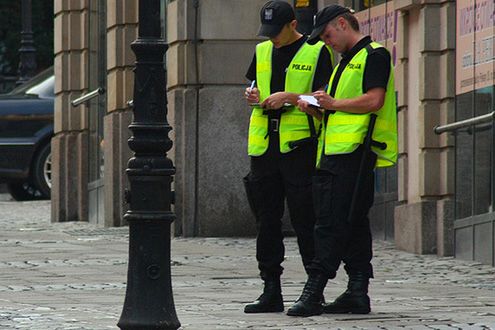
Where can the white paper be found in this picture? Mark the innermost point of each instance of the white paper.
(310, 99)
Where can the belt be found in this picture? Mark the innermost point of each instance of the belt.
(274, 124)
(274, 119)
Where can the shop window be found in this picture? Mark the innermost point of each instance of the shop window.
(464, 157)
(475, 91)
(483, 158)
(474, 155)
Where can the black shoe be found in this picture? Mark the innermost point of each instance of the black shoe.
(270, 301)
(354, 300)
(310, 302)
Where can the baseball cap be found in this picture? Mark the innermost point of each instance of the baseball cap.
(274, 15)
(322, 18)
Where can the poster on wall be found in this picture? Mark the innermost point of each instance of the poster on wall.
(380, 22)
(475, 38)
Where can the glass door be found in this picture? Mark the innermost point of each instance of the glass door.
(474, 225)
(97, 108)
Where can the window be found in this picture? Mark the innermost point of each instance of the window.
(359, 5)
(475, 149)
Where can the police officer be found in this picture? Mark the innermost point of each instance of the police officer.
(361, 86)
(282, 143)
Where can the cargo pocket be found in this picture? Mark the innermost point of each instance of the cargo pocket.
(249, 186)
(265, 196)
(323, 183)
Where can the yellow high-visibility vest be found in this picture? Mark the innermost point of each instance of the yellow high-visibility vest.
(299, 79)
(344, 131)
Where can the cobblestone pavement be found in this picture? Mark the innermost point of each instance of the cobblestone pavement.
(72, 276)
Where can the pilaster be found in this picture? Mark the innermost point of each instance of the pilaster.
(207, 60)
(122, 19)
(69, 145)
(424, 222)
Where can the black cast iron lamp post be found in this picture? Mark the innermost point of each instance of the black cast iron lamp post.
(27, 52)
(149, 302)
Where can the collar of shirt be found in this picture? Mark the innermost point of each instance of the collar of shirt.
(357, 47)
(293, 46)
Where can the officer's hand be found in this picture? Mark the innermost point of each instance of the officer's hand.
(274, 101)
(304, 106)
(309, 109)
(252, 95)
(325, 100)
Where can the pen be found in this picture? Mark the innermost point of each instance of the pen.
(252, 85)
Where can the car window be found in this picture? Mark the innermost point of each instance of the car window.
(43, 89)
(21, 89)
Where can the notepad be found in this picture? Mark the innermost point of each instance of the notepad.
(310, 99)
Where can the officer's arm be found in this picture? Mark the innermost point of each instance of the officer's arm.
(371, 101)
(277, 100)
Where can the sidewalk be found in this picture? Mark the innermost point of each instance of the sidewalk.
(72, 276)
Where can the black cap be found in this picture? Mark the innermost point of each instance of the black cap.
(274, 15)
(322, 18)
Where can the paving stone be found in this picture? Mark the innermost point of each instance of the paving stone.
(72, 276)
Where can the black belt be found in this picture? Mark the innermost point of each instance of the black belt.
(273, 124)
(273, 120)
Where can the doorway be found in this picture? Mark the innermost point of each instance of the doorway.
(97, 106)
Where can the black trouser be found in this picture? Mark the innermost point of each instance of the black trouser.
(275, 177)
(336, 238)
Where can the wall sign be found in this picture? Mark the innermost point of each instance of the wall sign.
(475, 38)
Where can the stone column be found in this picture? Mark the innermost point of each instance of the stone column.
(122, 19)
(211, 46)
(425, 80)
(69, 145)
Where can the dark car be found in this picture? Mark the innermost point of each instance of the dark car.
(26, 128)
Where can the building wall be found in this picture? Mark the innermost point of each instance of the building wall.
(69, 145)
(208, 56)
(122, 20)
(426, 82)
(209, 51)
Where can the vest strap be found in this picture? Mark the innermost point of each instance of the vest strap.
(311, 125)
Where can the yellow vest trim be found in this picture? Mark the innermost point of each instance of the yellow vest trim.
(380, 124)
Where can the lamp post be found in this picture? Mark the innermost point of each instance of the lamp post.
(27, 52)
(149, 302)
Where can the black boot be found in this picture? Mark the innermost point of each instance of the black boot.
(270, 300)
(310, 301)
(354, 300)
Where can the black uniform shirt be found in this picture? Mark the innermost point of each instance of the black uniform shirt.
(377, 70)
(281, 58)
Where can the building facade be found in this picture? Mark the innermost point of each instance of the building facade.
(90, 152)
(439, 197)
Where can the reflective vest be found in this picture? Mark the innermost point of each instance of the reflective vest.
(299, 79)
(344, 131)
